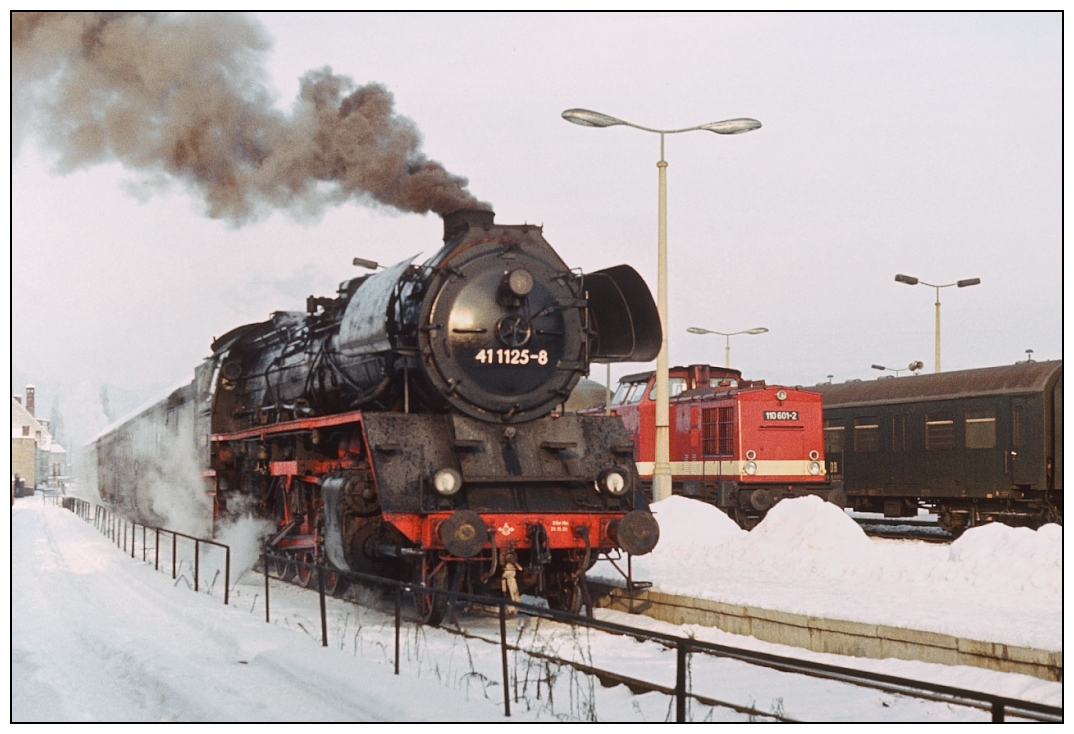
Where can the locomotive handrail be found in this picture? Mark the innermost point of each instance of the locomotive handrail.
(1000, 706)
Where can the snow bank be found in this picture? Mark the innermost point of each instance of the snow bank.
(995, 583)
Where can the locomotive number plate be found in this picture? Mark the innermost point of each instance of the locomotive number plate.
(781, 415)
(511, 356)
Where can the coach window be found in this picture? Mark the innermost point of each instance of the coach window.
(939, 431)
(1018, 426)
(833, 437)
(981, 428)
(898, 433)
(867, 434)
(620, 393)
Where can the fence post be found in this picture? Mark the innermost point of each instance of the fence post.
(156, 552)
(503, 658)
(143, 544)
(134, 529)
(264, 562)
(997, 712)
(680, 683)
(174, 536)
(324, 619)
(227, 571)
(398, 610)
(197, 545)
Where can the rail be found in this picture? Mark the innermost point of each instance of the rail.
(1000, 706)
(115, 527)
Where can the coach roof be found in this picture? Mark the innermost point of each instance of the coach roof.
(1023, 377)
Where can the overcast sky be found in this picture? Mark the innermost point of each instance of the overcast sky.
(926, 144)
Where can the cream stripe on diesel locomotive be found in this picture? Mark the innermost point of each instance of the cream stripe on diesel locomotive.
(764, 468)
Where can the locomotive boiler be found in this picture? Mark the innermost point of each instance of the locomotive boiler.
(405, 426)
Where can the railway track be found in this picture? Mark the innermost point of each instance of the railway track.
(904, 528)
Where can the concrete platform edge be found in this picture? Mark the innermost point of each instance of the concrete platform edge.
(840, 637)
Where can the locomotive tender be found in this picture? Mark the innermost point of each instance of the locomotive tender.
(738, 444)
(404, 427)
(973, 446)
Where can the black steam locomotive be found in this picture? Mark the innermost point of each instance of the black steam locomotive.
(405, 426)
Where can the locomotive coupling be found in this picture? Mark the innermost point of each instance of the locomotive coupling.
(637, 533)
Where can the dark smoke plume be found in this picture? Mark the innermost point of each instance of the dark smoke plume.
(184, 94)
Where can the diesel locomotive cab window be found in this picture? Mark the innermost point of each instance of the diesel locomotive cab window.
(867, 434)
(939, 431)
(676, 386)
(981, 428)
(620, 394)
(637, 390)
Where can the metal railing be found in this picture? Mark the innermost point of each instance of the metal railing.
(999, 706)
(115, 528)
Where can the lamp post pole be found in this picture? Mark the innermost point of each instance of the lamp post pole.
(589, 118)
(727, 348)
(910, 280)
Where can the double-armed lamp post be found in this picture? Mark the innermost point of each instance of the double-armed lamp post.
(588, 118)
(727, 350)
(910, 280)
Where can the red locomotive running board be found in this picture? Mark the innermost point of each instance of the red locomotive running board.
(302, 424)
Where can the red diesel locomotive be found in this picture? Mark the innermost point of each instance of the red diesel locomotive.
(739, 444)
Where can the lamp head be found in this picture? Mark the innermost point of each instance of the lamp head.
(969, 282)
(879, 367)
(758, 330)
(732, 127)
(908, 279)
(698, 330)
(589, 118)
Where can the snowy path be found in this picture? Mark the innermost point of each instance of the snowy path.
(97, 636)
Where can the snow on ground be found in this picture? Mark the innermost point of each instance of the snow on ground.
(99, 636)
(995, 583)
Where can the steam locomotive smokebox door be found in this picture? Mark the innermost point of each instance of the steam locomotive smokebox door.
(503, 329)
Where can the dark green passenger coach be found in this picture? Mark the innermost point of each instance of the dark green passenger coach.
(973, 446)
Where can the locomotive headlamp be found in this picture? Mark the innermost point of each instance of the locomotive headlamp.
(613, 481)
(751, 467)
(520, 282)
(751, 454)
(814, 454)
(781, 395)
(814, 468)
(447, 482)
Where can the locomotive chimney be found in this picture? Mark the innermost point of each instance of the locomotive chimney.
(458, 222)
(30, 399)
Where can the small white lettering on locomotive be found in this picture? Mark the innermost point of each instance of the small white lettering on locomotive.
(511, 356)
(560, 526)
(781, 415)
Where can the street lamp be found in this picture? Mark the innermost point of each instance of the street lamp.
(910, 280)
(589, 118)
(727, 351)
(913, 367)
